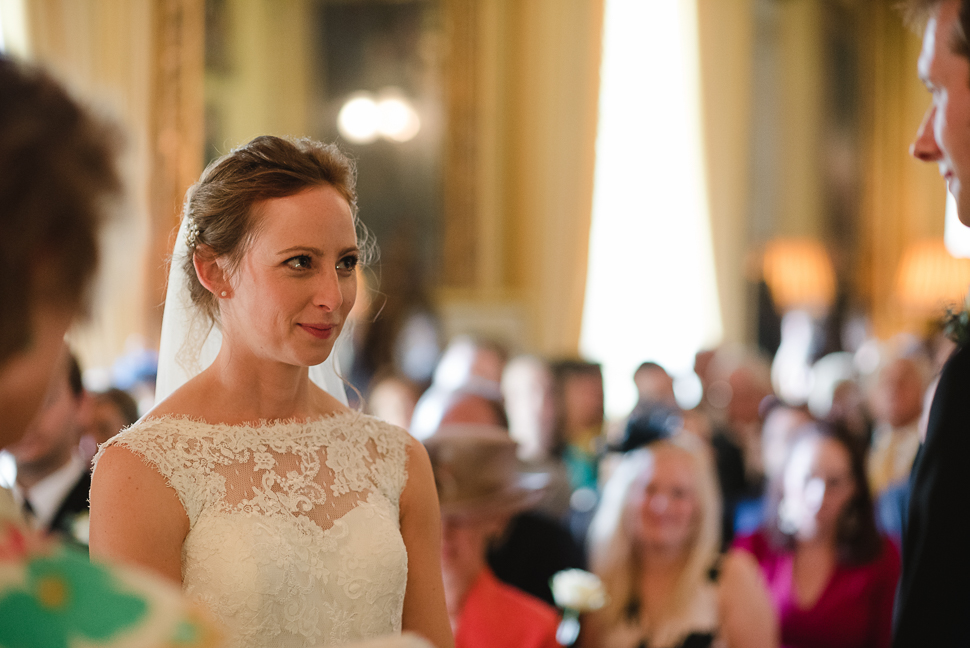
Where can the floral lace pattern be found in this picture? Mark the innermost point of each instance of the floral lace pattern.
(294, 536)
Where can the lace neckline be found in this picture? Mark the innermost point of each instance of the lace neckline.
(259, 424)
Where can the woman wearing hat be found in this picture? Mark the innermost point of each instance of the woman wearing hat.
(480, 487)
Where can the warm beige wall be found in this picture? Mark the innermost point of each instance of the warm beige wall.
(267, 88)
(536, 94)
(904, 199)
(799, 206)
(726, 35)
(553, 136)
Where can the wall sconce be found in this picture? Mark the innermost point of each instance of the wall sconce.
(799, 274)
(929, 277)
(363, 117)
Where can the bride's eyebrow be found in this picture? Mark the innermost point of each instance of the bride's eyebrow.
(353, 249)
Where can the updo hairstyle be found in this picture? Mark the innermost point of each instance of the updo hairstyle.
(220, 207)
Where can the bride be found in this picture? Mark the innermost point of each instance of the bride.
(297, 521)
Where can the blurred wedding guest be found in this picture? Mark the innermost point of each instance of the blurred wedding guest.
(703, 360)
(742, 380)
(580, 436)
(779, 430)
(535, 545)
(579, 401)
(57, 176)
(892, 505)
(109, 412)
(527, 390)
(480, 488)
(837, 397)
(739, 380)
(53, 479)
(781, 427)
(850, 410)
(897, 403)
(393, 398)
(465, 387)
(655, 544)
(654, 384)
(831, 575)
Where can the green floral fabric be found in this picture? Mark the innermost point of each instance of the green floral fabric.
(64, 597)
(51, 596)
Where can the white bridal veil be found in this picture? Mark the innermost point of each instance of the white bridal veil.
(190, 343)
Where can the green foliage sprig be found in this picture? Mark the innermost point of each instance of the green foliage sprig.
(956, 323)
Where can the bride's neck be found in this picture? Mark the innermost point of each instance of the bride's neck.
(255, 389)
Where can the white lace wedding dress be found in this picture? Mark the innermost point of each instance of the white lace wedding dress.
(294, 536)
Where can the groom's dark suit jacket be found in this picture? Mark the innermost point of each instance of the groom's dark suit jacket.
(933, 600)
(74, 503)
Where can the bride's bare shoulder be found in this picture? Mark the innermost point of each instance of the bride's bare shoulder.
(189, 400)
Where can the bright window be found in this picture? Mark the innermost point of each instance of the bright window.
(650, 292)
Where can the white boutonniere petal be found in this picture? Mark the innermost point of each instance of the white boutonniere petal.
(81, 527)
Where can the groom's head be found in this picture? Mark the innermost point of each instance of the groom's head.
(944, 67)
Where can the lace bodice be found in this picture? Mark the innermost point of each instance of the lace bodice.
(294, 536)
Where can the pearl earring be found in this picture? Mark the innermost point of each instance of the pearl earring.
(224, 293)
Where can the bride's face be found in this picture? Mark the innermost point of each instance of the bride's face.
(295, 285)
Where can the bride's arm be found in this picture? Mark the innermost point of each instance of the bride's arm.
(424, 600)
(135, 516)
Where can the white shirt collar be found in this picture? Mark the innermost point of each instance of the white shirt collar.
(47, 495)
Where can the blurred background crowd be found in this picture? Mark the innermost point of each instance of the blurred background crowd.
(534, 478)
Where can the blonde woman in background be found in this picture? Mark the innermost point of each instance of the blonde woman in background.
(655, 541)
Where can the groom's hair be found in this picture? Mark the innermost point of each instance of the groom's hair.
(220, 206)
(57, 172)
(917, 12)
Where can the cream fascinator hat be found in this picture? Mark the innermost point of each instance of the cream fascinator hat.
(476, 471)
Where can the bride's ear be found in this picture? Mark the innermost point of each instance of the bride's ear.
(211, 270)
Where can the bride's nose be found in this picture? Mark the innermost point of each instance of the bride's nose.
(328, 294)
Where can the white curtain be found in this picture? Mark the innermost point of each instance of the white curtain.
(651, 292)
(13, 27)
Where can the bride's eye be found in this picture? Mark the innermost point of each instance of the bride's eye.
(348, 263)
(301, 262)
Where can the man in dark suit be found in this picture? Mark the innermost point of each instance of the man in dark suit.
(933, 601)
(53, 480)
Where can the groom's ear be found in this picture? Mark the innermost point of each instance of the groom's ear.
(211, 270)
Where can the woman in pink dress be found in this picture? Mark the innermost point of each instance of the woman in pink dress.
(831, 575)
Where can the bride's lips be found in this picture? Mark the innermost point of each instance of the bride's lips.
(319, 331)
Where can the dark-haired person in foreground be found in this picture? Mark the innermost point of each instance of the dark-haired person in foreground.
(933, 602)
(57, 170)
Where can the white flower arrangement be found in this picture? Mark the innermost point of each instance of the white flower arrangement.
(575, 591)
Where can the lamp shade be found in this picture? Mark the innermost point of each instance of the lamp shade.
(929, 277)
(799, 274)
